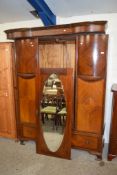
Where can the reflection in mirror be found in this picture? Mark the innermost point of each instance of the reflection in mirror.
(53, 112)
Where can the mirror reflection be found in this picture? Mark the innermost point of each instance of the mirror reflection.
(53, 112)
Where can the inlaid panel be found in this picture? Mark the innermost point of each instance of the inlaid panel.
(90, 105)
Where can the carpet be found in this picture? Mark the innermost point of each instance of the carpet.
(16, 159)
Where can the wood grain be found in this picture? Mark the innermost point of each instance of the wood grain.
(90, 106)
(27, 97)
(57, 55)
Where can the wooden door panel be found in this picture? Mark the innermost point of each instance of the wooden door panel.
(92, 50)
(26, 51)
(27, 96)
(90, 106)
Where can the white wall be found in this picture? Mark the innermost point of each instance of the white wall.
(14, 25)
(112, 51)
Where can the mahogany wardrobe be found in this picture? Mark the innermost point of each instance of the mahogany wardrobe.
(75, 55)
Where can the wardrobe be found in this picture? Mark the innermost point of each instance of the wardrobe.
(77, 53)
(7, 87)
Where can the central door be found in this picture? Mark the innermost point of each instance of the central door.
(55, 98)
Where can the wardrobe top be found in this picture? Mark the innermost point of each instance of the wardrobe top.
(66, 29)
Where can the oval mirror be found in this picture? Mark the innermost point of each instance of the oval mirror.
(53, 112)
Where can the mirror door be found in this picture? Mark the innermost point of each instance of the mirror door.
(55, 98)
(55, 110)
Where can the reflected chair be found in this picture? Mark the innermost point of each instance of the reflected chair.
(49, 108)
(53, 106)
(62, 114)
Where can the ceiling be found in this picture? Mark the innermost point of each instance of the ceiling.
(19, 10)
(15, 10)
(67, 8)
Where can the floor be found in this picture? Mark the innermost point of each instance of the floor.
(16, 159)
